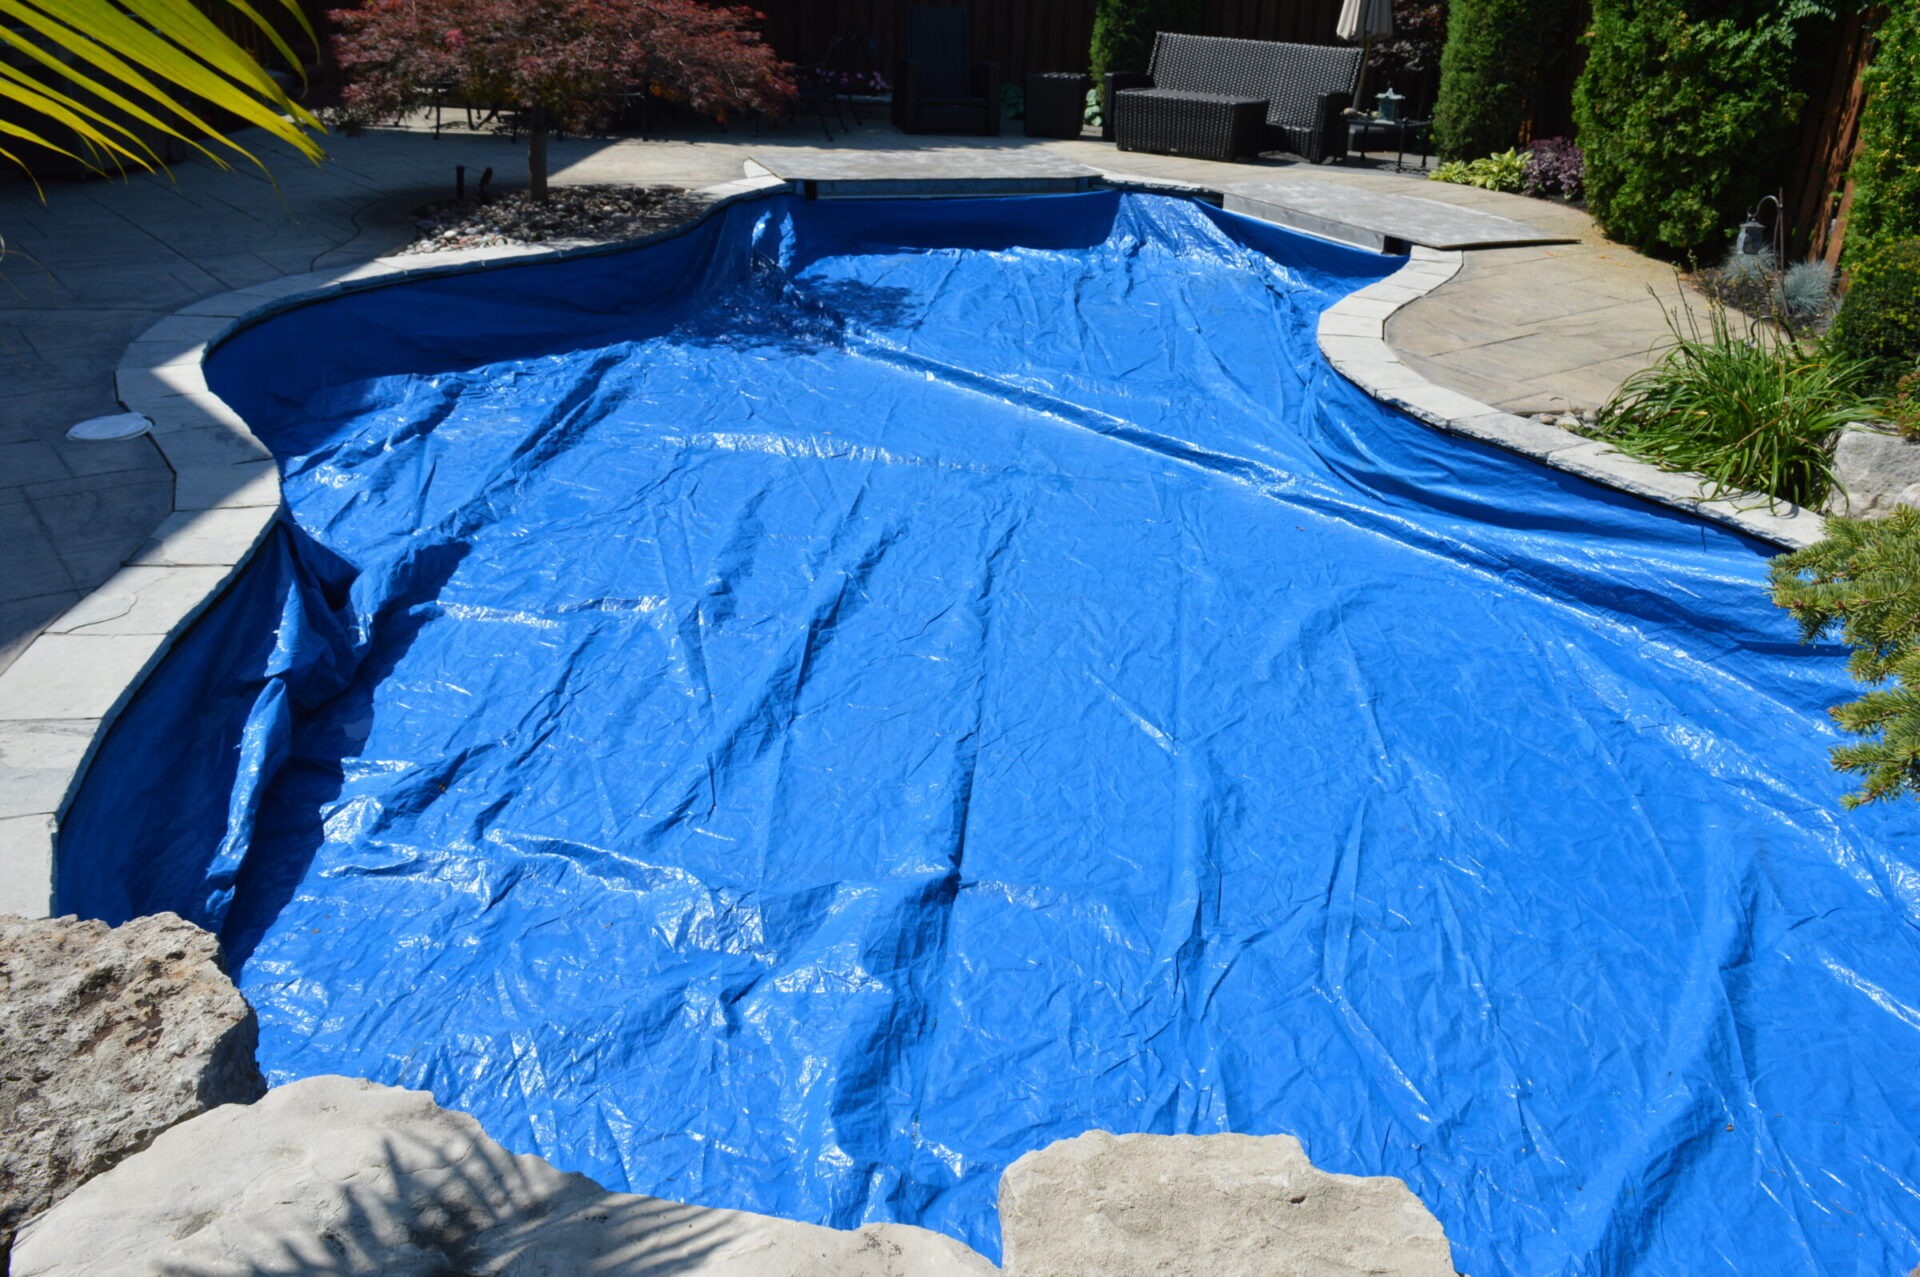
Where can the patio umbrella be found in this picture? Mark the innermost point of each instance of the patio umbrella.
(1365, 21)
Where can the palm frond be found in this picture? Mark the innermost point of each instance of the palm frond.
(102, 70)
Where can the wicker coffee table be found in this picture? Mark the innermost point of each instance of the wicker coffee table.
(1202, 126)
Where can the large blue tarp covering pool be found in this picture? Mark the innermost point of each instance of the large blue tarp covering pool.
(799, 715)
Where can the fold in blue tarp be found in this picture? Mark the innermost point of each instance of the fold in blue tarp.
(800, 715)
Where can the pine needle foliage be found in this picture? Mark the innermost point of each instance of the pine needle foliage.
(1750, 414)
(1864, 579)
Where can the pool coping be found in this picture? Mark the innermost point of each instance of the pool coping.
(61, 694)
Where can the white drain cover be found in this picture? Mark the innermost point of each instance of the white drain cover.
(122, 425)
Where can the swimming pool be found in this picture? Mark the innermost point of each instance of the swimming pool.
(796, 716)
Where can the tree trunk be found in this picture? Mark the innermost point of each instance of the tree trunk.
(537, 153)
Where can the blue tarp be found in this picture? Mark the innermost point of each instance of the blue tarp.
(800, 715)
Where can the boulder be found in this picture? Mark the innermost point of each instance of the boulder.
(342, 1176)
(108, 1036)
(1874, 470)
(1103, 1205)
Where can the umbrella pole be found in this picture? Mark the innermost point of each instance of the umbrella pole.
(1360, 86)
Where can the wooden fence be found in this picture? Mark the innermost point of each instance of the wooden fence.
(1818, 192)
(1029, 35)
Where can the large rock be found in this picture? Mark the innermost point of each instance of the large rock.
(1103, 1205)
(341, 1176)
(1873, 471)
(108, 1036)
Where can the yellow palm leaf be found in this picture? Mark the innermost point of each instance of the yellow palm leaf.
(98, 67)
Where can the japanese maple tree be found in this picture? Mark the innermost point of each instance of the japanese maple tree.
(564, 64)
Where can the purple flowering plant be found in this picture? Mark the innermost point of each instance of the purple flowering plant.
(1555, 170)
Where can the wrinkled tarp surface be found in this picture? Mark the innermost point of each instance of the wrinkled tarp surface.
(797, 716)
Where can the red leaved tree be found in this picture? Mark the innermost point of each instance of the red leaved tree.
(565, 64)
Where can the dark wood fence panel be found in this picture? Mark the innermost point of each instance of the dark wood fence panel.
(1029, 35)
(1818, 192)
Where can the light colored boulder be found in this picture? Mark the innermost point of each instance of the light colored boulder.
(1873, 472)
(338, 1176)
(108, 1036)
(1103, 1205)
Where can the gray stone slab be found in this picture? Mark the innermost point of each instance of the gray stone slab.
(208, 487)
(37, 763)
(73, 675)
(26, 865)
(1372, 217)
(141, 600)
(858, 174)
(205, 538)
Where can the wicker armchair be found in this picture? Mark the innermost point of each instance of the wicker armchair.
(937, 88)
(1217, 98)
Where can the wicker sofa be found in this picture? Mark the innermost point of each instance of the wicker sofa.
(1216, 98)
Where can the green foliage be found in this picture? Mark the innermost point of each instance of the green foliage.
(1497, 56)
(1903, 406)
(1879, 320)
(1865, 579)
(113, 76)
(1123, 32)
(1886, 173)
(1684, 111)
(1752, 415)
(1506, 171)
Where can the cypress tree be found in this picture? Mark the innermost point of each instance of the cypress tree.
(1123, 33)
(1498, 55)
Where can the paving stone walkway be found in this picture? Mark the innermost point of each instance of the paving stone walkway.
(1525, 329)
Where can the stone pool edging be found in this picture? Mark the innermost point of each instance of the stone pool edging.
(1354, 340)
(60, 695)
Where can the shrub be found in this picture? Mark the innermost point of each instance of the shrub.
(1498, 54)
(1683, 110)
(1753, 415)
(1879, 319)
(1865, 579)
(1903, 406)
(1555, 170)
(1419, 35)
(1807, 289)
(1123, 33)
(1886, 173)
(1503, 172)
(565, 63)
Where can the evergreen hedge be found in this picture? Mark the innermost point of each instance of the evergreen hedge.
(1886, 174)
(1123, 33)
(1497, 56)
(1684, 111)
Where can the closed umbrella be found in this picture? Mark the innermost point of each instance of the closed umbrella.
(1364, 21)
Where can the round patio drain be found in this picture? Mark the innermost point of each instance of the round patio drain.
(121, 425)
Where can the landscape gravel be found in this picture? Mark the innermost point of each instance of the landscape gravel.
(568, 213)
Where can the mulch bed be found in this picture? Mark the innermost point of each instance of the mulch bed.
(568, 213)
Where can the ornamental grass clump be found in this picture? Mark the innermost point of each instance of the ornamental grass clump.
(1750, 414)
(1864, 579)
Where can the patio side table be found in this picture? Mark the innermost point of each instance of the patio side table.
(1363, 130)
(1056, 103)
